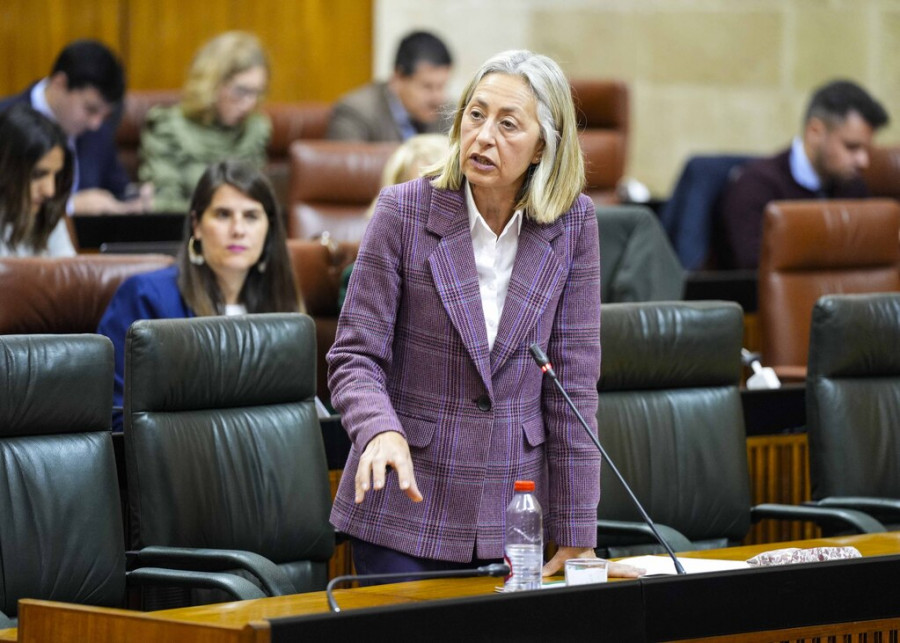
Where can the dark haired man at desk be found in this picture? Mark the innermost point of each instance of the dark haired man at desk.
(83, 93)
(823, 162)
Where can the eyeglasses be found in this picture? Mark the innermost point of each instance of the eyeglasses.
(242, 92)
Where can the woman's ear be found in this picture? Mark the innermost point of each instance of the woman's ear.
(538, 153)
(194, 227)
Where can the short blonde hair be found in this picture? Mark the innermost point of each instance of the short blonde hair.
(553, 184)
(214, 65)
(417, 153)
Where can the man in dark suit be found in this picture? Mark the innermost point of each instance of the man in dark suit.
(824, 162)
(83, 93)
(412, 101)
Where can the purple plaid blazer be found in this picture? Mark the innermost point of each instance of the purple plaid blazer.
(411, 355)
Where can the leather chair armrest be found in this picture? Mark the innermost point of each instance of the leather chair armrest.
(675, 539)
(881, 508)
(240, 588)
(274, 581)
(831, 518)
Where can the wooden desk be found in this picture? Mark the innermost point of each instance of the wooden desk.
(624, 604)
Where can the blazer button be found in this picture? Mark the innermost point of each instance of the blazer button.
(483, 403)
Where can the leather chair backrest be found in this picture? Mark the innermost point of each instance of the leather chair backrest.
(60, 519)
(882, 176)
(222, 442)
(853, 396)
(816, 248)
(333, 183)
(317, 269)
(670, 416)
(637, 262)
(64, 295)
(603, 120)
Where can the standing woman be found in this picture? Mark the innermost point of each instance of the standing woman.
(36, 173)
(217, 119)
(458, 273)
(234, 260)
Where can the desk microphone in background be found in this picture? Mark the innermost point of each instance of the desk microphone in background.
(500, 570)
(544, 362)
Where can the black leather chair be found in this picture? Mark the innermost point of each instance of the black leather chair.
(670, 417)
(223, 446)
(61, 532)
(637, 262)
(853, 403)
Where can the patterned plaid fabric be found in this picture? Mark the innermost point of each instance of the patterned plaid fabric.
(411, 355)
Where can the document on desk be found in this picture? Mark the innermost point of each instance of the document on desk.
(663, 564)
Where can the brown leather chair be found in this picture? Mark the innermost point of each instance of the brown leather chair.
(883, 174)
(603, 120)
(290, 121)
(64, 295)
(317, 268)
(333, 184)
(815, 248)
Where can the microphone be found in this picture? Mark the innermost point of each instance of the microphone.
(544, 362)
(494, 569)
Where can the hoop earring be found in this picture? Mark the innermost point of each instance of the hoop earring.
(193, 256)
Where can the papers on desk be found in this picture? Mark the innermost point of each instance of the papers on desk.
(663, 564)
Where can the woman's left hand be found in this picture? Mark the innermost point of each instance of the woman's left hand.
(616, 570)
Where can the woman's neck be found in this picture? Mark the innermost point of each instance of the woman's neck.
(496, 208)
(230, 286)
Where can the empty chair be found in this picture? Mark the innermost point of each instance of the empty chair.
(332, 185)
(689, 216)
(816, 248)
(853, 403)
(637, 262)
(603, 119)
(65, 294)
(223, 447)
(61, 532)
(670, 417)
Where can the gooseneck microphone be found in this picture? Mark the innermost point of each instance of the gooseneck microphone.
(494, 569)
(544, 362)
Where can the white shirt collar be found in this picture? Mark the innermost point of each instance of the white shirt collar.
(801, 169)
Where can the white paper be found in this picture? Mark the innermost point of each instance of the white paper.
(664, 565)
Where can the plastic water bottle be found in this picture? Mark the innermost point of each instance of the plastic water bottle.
(524, 539)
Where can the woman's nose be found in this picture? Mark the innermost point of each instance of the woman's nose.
(48, 187)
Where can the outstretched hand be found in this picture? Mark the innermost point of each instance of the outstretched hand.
(388, 449)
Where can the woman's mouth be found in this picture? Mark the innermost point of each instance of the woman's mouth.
(482, 162)
(236, 248)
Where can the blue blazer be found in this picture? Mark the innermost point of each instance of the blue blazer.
(152, 295)
(98, 160)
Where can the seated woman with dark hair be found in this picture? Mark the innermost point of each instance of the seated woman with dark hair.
(36, 172)
(234, 261)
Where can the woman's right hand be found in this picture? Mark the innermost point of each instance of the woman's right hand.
(388, 449)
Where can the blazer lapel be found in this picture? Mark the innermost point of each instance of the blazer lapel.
(535, 274)
(456, 278)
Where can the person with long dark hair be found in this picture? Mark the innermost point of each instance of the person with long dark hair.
(35, 182)
(234, 261)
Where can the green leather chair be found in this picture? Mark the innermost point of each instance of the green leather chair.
(853, 403)
(61, 535)
(223, 445)
(670, 417)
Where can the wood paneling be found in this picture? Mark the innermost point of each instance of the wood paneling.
(779, 473)
(319, 48)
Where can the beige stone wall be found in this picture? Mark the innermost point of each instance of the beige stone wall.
(706, 76)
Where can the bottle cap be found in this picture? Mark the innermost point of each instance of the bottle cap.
(524, 485)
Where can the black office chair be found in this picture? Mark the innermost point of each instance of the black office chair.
(670, 417)
(637, 262)
(61, 532)
(853, 403)
(223, 445)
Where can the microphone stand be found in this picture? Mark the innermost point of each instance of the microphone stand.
(494, 569)
(544, 362)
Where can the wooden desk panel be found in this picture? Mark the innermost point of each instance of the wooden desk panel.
(245, 621)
